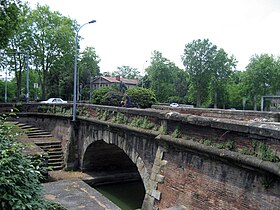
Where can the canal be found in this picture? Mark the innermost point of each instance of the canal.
(126, 195)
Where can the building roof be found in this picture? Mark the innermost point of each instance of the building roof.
(114, 80)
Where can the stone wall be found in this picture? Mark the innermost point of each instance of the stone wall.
(244, 115)
(200, 180)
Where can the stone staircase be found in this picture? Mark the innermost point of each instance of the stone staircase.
(46, 142)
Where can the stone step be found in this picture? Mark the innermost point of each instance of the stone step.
(55, 152)
(55, 160)
(40, 132)
(56, 168)
(58, 163)
(40, 136)
(45, 143)
(51, 148)
(25, 127)
(33, 129)
(54, 156)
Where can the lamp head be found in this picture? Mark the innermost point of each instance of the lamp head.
(93, 21)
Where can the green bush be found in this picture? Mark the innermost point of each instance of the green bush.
(142, 97)
(112, 98)
(99, 93)
(19, 179)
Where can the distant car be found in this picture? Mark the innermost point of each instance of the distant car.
(174, 105)
(54, 101)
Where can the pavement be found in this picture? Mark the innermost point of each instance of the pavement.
(75, 194)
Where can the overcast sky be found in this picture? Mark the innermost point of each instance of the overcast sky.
(127, 31)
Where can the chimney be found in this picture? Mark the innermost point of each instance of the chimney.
(118, 78)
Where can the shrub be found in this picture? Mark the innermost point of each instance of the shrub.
(19, 175)
(99, 93)
(19, 181)
(112, 98)
(144, 98)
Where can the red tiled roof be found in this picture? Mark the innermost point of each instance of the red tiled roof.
(125, 81)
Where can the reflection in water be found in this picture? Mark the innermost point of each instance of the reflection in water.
(128, 195)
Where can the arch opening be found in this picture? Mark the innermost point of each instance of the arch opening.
(103, 158)
(114, 174)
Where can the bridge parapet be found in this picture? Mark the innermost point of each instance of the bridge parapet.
(242, 136)
(90, 110)
(243, 115)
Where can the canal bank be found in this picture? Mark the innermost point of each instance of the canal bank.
(75, 194)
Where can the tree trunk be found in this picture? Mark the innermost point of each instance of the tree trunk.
(255, 103)
(216, 98)
(44, 84)
(198, 100)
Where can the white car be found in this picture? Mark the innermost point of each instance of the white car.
(54, 101)
(174, 105)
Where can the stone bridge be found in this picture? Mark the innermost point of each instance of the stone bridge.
(196, 158)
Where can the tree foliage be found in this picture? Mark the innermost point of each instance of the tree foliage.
(87, 69)
(127, 72)
(235, 89)
(9, 12)
(222, 70)
(161, 75)
(209, 68)
(262, 77)
(52, 38)
(198, 60)
(17, 49)
(142, 97)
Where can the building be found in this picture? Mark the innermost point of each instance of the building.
(107, 81)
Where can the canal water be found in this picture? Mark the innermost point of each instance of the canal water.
(127, 195)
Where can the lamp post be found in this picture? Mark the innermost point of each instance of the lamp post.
(75, 72)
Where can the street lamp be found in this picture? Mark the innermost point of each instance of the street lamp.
(75, 71)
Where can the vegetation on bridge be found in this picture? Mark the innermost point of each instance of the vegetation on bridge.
(254, 148)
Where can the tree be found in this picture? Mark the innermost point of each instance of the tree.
(127, 72)
(262, 77)
(198, 59)
(9, 12)
(161, 76)
(222, 70)
(88, 68)
(18, 47)
(236, 90)
(180, 86)
(52, 38)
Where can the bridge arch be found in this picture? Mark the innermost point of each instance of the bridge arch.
(106, 150)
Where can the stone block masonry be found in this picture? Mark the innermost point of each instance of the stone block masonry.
(190, 167)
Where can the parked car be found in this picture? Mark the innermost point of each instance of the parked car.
(53, 101)
(174, 105)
